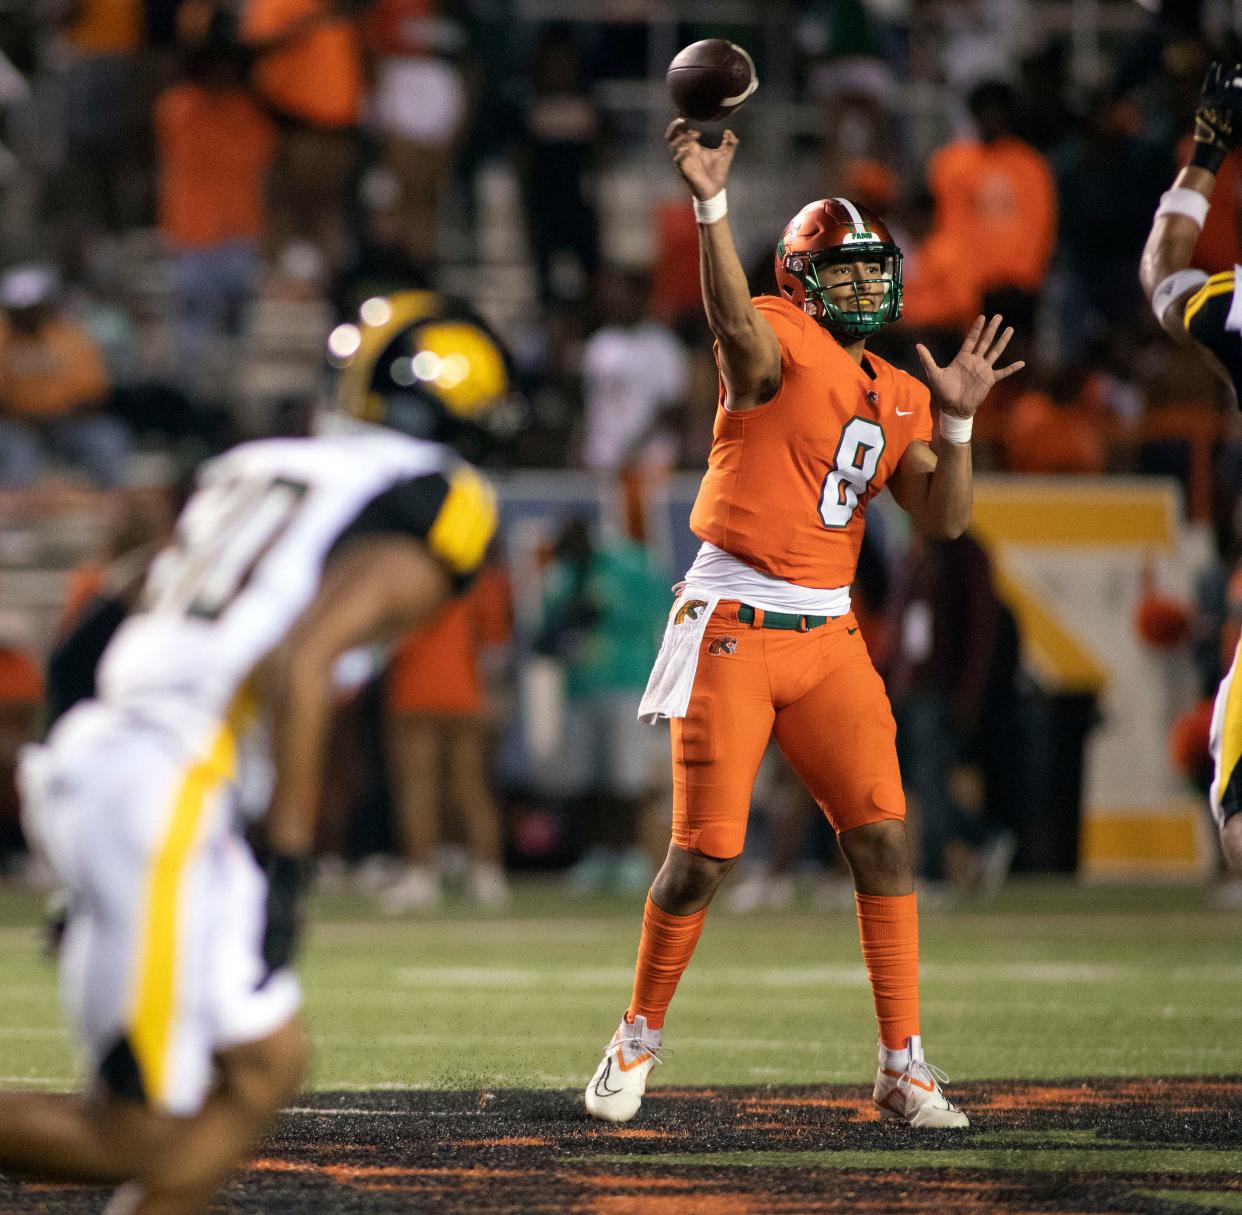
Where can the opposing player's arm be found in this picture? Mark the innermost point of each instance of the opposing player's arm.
(746, 346)
(394, 565)
(1168, 282)
(372, 590)
(1165, 270)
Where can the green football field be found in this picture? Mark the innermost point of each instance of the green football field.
(1052, 980)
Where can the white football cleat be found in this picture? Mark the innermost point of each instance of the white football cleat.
(417, 889)
(908, 1087)
(616, 1090)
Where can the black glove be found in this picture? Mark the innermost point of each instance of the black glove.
(1218, 118)
(287, 880)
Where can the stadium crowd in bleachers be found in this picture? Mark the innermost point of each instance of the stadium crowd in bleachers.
(194, 192)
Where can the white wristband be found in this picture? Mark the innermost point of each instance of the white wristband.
(955, 429)
(709, 210)
(1184, 201)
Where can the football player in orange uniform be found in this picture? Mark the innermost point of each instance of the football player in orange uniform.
(1193, 307)
(809, 428)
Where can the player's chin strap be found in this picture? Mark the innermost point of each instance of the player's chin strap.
(1180, 283)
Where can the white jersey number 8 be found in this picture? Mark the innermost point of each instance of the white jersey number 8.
(857, 459)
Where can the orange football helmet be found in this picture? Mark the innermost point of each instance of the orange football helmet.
(832, 230)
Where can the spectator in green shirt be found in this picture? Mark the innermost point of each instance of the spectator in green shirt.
(604, 610)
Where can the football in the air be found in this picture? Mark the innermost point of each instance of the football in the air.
(709, 80)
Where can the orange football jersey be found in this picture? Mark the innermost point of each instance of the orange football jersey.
(788, 483)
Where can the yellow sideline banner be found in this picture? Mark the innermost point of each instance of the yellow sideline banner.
(1069, 557)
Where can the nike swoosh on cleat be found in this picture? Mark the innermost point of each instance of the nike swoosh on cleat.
(601, 1083)
(924, 1085)
(629, 1067)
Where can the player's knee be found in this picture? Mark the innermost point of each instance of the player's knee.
(879, 857)
(264, 1076)
(688, 880)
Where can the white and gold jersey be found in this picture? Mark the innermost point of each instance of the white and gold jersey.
(135, 799)
(249, 552)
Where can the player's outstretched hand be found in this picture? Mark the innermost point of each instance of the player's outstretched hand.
(1218, 118)
(705, 169)
(960, 387)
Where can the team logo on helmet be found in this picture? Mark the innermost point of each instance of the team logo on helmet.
(833, 231)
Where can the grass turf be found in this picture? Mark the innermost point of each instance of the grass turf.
(1054, 980)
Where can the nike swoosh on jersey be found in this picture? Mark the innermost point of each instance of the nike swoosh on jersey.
(601, 1087)
(904, 413)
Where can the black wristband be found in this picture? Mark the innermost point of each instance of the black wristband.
(287, 879)
(288, 873)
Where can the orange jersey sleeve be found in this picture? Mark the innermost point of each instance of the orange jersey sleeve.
(788, 483)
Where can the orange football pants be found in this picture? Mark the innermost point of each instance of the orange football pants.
(818, 692)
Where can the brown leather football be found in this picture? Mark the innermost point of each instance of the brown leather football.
(709, 80)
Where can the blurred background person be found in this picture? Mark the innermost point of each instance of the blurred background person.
(634, 379)
(307, 72)
(437, 749)
(437, 745)
(996, 196)
(215, 149)
(948, 625)
(100, 185)
(605, 604)
(557, 161)
(1052, 430)
(419, 107)
(21, 712)
(53, 387)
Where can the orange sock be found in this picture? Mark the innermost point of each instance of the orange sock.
(888, 926)
(664, 952)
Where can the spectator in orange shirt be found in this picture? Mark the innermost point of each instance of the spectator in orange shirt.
(1053, 431)
(52, 387)
(308, 73)
(939, 294)
(21, 707)
(215, 147)
(997, 196)
(437, 747)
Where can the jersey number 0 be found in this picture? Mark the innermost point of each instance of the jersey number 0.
(224, 533)
(857, 459)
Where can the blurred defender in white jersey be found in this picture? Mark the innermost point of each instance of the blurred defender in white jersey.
(212, 696)
(1193, 307)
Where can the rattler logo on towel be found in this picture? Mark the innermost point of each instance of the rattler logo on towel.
(689, 610)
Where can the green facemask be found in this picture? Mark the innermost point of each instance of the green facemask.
(850, 324)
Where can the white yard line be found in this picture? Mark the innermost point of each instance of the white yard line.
(362, 1112)
(851, 976)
